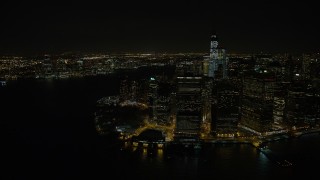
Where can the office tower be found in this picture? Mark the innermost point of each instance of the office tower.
(217, 63)
(153, 98)
(295, 105)
(163, 110)
(189, 108)
(294, 70)
(206, 63)
(312, 100)
(257, 101)
(279, 103)
(302, 104)
(225, 109)
(206, 107)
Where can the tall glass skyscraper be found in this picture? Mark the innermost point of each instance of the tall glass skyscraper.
(217, 61)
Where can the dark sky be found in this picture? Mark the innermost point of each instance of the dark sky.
(158, 26)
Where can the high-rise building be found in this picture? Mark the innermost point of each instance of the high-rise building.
(257, 101)
(217, 63)
(207, 107)
(225, 109)
(159, 103)
(189, 108)
(153, 97)
(163, 110)
(205, 65)
(279, 103)
(295, 105)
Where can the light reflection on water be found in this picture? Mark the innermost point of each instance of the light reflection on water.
(144, 154)
(160, 155)
(222, 159)
(263, 163)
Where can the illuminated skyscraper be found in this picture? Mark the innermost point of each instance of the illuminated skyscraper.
(207, 107)
(159, 101)
(217, 63)
(153, 97)
(163, 110)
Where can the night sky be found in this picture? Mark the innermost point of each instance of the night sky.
(158, 26)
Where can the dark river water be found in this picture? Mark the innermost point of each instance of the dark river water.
(48, 132)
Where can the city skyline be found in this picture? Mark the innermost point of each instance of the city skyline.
(35, 28)
(164, 115)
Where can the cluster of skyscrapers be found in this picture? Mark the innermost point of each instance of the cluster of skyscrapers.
(229, 97)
